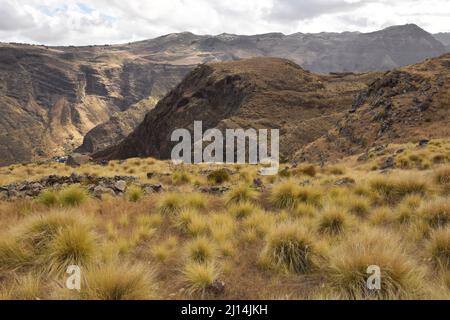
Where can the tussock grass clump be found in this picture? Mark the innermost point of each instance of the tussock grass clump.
(199, 277)
(242, 210)
(241, 193)
(134, 193)
(170, 204)
(119, 282)
(357, 205)
(196, 201)
(74, 245)
(165, 249)
(56, 240)
(303, 210)
(285, 195)
(48, 198)
(392, 190)
(310, 195)
(290, 247)
(181, 177)
(13, 257)
(72, 196)
(442, 176)
(219, 176)
(309, 170)
(436, 214)
(348, 273)
(438, 248)
(190, 222)
(28, 287)
(200, 250)
(333, 221)
(382, 216)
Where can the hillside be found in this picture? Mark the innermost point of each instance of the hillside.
(254, 93)
(407, 104)
(51, 97)
(59, 94)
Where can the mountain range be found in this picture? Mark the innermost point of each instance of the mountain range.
(54, 100)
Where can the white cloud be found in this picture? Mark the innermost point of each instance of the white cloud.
(81, 22)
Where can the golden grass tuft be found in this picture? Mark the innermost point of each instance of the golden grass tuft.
(200, 250)
(242, 210)
(285, 195)
(219, 176)
(119, 282)
(199, 277)
(241, 193)
(436, 213)
(333, 221)
(438, 248)
(72, 196)
(347, 272)
(290, 247)
(134, 193)
(170, 204)
(393, 189)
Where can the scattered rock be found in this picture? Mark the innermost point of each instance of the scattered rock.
(424, 142)
(120, 186)
(389, 163)
(214, 190)
(150, 175)
(217, 287)
(99, 191)
(345, 182)
(77, 160)
(258, 183)
(152, 188)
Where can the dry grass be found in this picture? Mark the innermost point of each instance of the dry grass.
(301, 236)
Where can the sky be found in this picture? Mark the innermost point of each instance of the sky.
(82, 22)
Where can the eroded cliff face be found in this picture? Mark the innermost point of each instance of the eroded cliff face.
(51, 97)
(260, 93)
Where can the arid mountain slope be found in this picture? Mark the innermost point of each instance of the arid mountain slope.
(51, 97)
(322, 52)
(256, 93)
(443, 37)
(408, 104)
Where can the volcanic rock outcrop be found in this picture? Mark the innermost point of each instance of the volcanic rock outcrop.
(404, 105)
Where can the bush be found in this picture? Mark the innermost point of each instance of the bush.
(219, 176)
(191, 222)
(291, 248)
